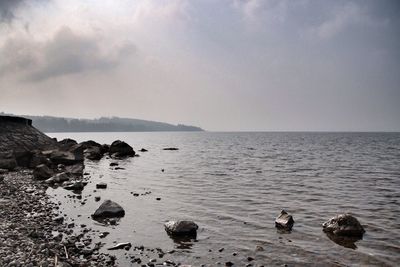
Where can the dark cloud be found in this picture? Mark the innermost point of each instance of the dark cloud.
(66, 53)
(7, 8)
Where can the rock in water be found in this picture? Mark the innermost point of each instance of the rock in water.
(42, 172)
(101, 186)
(120, 149)
(93, 153)
(284, 221)
(179, 228)
(171, 148)
(344, 225)
(109, 209)
(77, 186)
(121, 246)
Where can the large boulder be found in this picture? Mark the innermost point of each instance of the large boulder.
(37, 159)
(120, 149)
(284, 221)
(67, 143)
(42, 172)
(65, 157)
(93, 153)
(109, 209)
(344, 225)
(7, 160)
(181, 228)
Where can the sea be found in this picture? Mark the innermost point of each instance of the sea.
(234, 185)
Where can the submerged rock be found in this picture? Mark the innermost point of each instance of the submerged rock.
(284, 221)
(179, 228)
(109, 209)
(42, 172)
(344, 225)
(171, 148)
(120, 149)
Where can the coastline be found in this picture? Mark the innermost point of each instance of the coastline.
(33, 232)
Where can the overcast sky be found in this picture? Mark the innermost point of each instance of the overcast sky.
(218, 64)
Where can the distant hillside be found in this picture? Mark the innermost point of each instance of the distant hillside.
(113, 124)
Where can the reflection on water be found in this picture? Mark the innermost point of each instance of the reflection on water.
(347, 242)
(233, 185)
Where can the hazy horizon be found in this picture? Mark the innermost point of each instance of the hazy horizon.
(231, 65)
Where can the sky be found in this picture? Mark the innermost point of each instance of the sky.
(223, 65)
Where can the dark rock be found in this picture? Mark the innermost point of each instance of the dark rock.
(176, 228)
(101, 185)
(143, 150)
(58, 178)
(104, 234)
(120, 149)
(171, 148)
(229, 264)
(7, 160)
(77, 186)
(250, 258)
(121, 246)
(37, 159)
(67, 143)
(344, 225)
(97, 198)
(109, 209)
(105, 148)
(112, 164)
(76, 169)
(158, 198)
(65, 157)
(42, 172)
(284, 221)
(93, 153)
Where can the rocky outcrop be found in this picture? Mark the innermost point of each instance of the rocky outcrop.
(344, 225)
(181, 228)
(20, 138)
(120, 149)
(284, 221)
(109, 209)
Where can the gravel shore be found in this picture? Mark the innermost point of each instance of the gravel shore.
(33, 232)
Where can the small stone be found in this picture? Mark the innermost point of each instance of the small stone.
(101, 186)
(284, 221)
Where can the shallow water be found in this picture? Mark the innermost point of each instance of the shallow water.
(233, 185)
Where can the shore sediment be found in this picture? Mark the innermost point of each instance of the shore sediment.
(32, 232)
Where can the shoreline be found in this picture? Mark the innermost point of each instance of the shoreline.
(33, 233)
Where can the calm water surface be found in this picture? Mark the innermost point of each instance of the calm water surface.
(233, 185)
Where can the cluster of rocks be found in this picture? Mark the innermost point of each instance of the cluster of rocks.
(343, 229)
